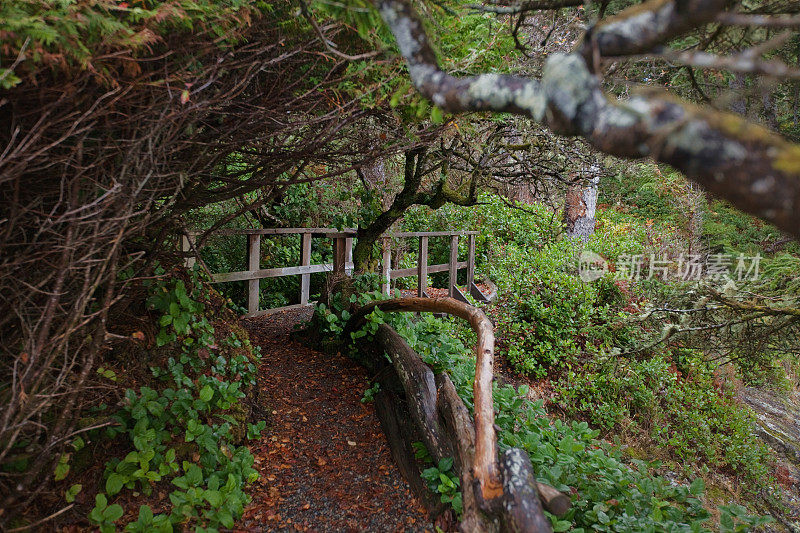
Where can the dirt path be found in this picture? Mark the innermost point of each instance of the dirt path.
(324, 462)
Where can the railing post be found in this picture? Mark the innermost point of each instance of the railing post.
(305, 260)
(339, 254)
(470, 261)
(422, 266)
(451, 287)
(348, 255)
(253, 264)
(386, 266)
(187, 243)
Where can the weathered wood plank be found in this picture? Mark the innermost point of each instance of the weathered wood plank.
(187, 245)
(285, 231)
(420, 387)
(453, 265)
(348, 255)
(422, 266)
(470, 260)
(253, 263)
(273, 272)
(386, 266)
(457, 423)
(432, 269)
(404, 234)
(487, 469)
(339, 254)
(305, 260)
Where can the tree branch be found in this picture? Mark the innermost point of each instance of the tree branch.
(756, 170)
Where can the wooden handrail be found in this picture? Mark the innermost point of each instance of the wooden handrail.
(487, 470)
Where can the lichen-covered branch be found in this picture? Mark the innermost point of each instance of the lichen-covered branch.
(756, 170)
(640, 28)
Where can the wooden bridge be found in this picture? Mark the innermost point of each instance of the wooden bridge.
(343, 261)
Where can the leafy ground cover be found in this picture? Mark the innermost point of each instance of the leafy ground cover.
(174, 450)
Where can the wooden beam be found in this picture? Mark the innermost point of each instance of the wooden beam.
(422, 266)
(272, 272)
(348, 254)
(453, 265)
(487, 469)
(285, 231)
(470, 260)
(305, 260)
(420, 387)
(339, 254)
(187, 245)
(386, 266)
(432, 269)
(253, 264)
(430, 233)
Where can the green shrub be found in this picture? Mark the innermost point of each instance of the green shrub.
(183, 431)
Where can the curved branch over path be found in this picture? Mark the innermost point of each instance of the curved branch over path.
(758, 171)
(487, 470)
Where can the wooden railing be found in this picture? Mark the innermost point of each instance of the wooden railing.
(342, 261)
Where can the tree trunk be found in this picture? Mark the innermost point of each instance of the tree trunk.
(580, 206)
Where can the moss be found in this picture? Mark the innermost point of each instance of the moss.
(739, 128)
(788, 160)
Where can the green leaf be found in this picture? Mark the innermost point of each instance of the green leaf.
(697, 487)
(225, 518)
(62, 468)
(561, 526)
(206, 393)
(113, 512)
(72, 492)
(100, 501)
(436, 115)
(145, 514)
(214, 497)
(194, 475)
(114, 483)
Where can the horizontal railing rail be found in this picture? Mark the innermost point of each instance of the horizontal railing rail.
(342, 260)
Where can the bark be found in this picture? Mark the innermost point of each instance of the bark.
(755, 169)
(418, 383)
(523, 510)
(580, 206)
(519, 505)
(486, 467)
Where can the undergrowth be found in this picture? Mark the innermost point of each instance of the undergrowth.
(183, 434)
(608, 493)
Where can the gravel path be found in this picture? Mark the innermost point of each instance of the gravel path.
(325, 464)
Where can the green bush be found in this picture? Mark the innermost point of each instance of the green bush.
(184, 431)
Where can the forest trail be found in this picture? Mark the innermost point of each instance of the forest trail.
(323, 460)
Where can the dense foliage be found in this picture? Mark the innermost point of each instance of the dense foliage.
(185, 429)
